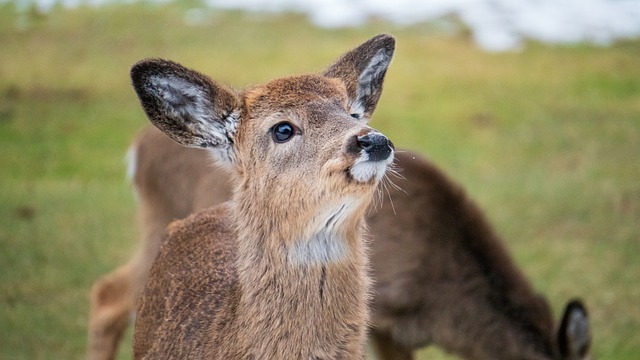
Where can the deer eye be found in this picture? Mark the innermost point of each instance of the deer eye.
(282, 132)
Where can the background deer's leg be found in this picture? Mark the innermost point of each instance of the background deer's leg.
(387, 349)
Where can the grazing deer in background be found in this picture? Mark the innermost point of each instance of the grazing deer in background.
(280, 270)
(443, 275)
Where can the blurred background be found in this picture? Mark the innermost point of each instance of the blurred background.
(534, 106)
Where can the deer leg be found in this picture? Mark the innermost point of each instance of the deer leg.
(113, 303)
(387, 349)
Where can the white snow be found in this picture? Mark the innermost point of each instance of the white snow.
(496, 25)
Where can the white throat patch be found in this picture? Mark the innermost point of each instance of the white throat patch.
(321, 248)
(324, 246)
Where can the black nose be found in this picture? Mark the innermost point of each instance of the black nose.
(376, 145)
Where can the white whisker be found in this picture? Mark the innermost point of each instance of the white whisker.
(395, 172)
(386, 181)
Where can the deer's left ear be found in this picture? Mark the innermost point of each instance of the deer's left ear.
(362, 70)
(188, 106)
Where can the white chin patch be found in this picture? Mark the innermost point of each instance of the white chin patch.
(365, 170)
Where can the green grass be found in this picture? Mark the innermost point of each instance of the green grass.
(547, 140)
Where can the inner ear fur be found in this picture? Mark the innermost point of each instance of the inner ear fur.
(186, 105)
(363, 70)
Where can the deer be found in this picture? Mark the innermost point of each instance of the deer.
(442, 276)
(280, 270)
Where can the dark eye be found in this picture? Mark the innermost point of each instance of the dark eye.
(282, 132)
(356, 116)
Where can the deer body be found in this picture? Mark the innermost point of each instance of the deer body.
(450, 280)
(289, 330)
(279, 271)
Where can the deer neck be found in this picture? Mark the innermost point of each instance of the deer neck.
(308, 284)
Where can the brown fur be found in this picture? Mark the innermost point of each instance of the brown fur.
(279, 271)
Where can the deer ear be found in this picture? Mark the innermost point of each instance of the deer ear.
(574, 336)
(362, 70)
(187, 106)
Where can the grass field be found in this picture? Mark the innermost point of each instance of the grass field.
(547, 140)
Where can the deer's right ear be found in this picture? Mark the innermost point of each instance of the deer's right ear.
(362, 70)
(187, 106)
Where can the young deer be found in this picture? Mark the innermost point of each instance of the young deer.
(279, 271)
(443, 275)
